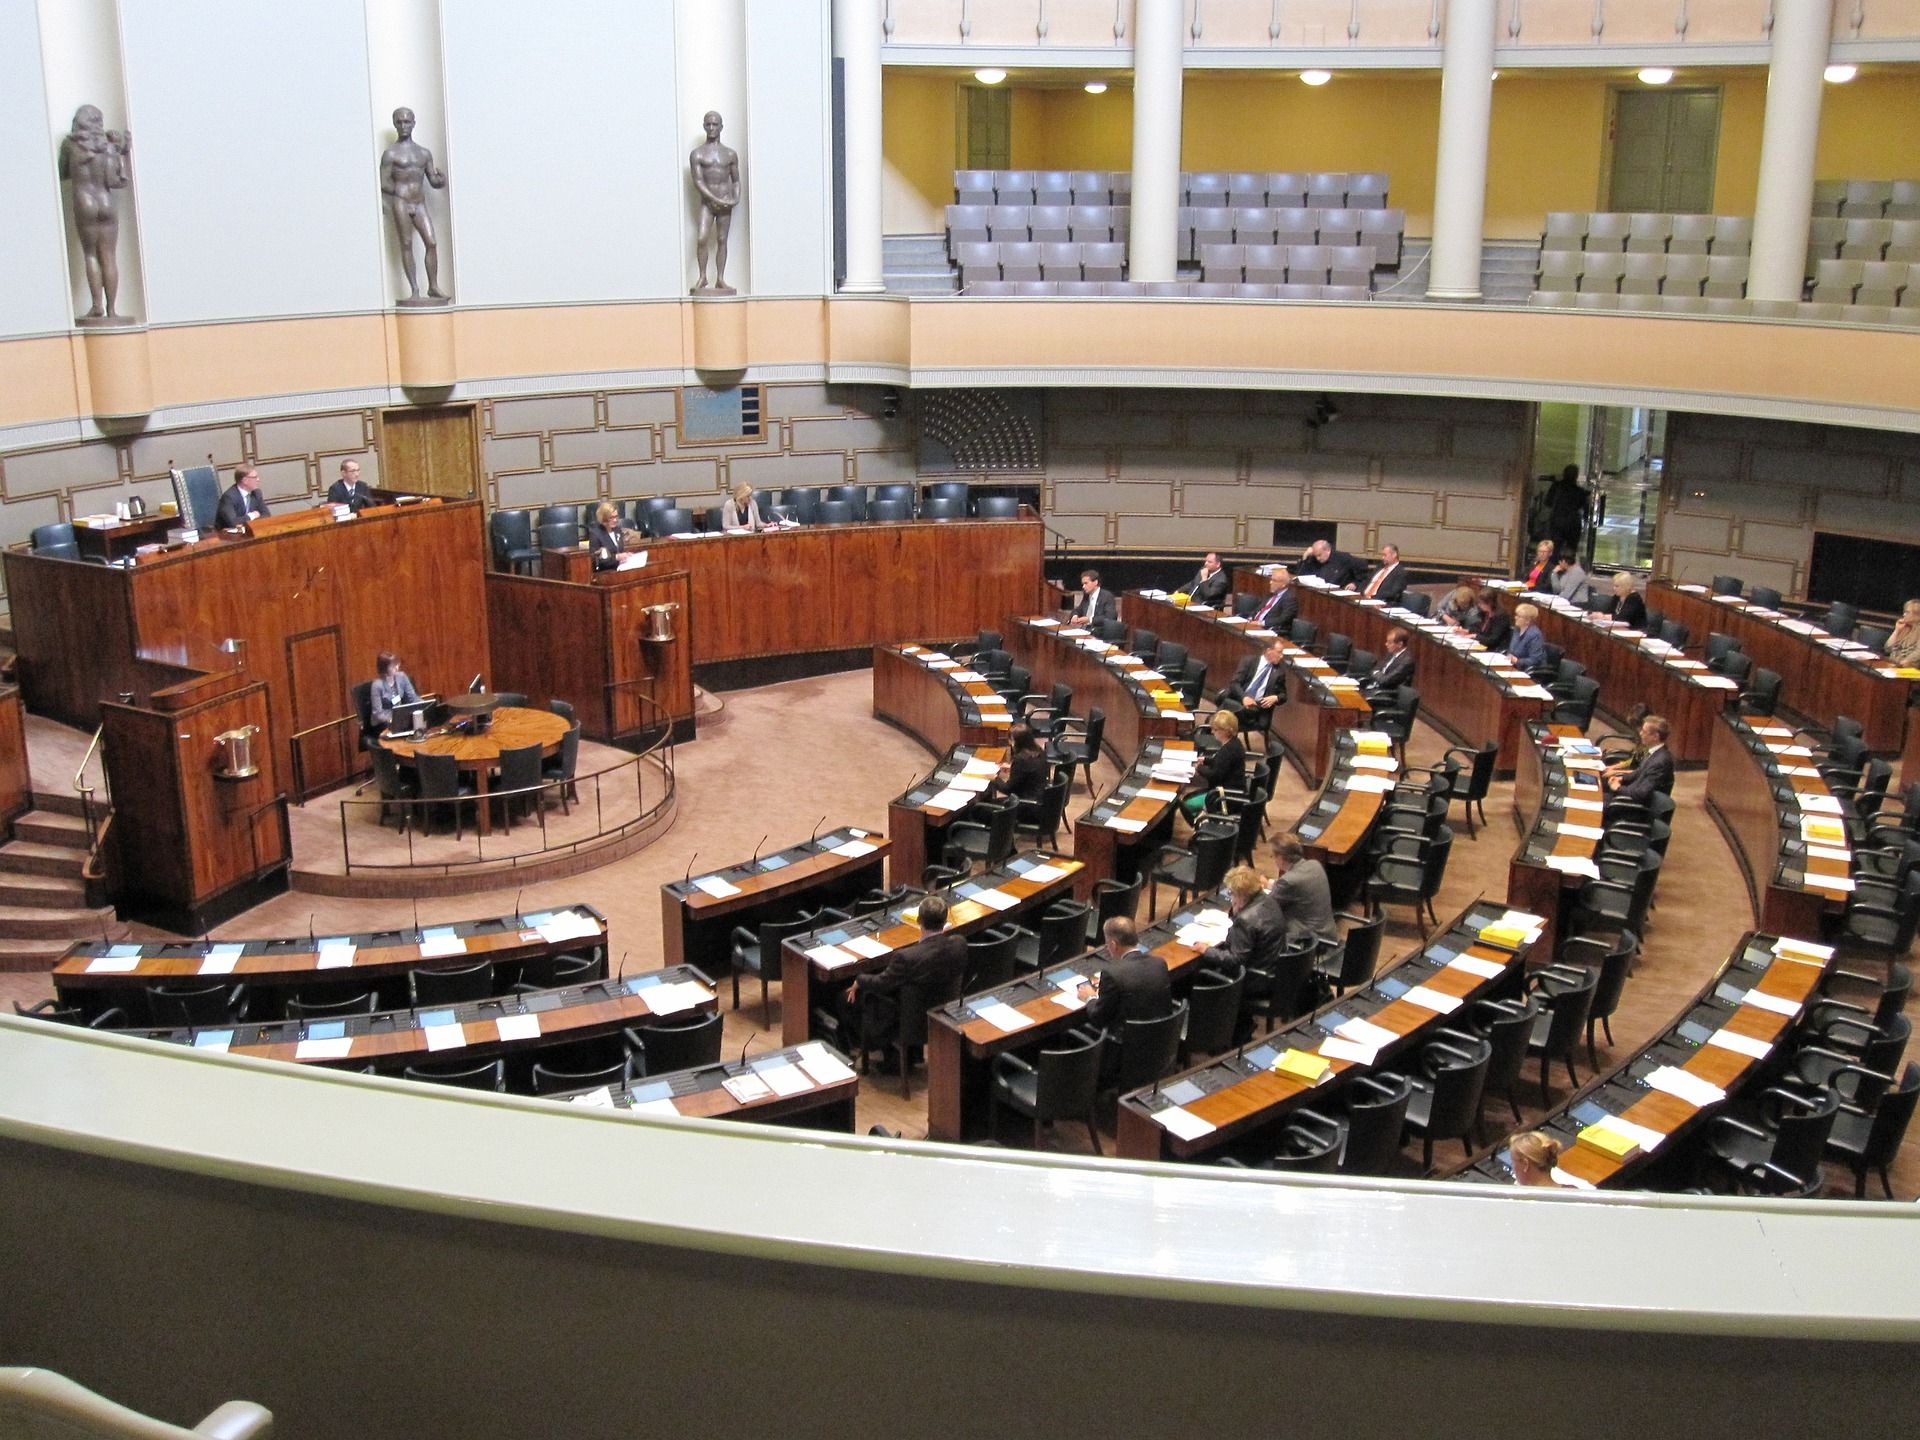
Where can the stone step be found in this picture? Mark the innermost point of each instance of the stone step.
(18, 955)
(30, 857)
(29, 922)
(43, 891)
(919, 285)
(47, 827)
(65, 803)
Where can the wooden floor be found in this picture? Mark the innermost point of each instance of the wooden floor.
(771, 762)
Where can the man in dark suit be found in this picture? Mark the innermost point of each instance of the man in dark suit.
(243, 501)
(1258, 686)
(1209, 584)
(1259, 931)
(1278, 610)
(1095, 603)
(1131, 984)
(1654, 771)
(350, 489)
(1389, 582)
(1336, 567)
(1301, 892)
(934, 963)
(1395, 667)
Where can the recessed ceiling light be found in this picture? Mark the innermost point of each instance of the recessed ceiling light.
(989, 77)
(1096, 87)
(1496, 75)
(1655, 75)
(1315, 77)
(1841, 74)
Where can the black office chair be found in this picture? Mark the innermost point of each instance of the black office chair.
(1169, 659)
(1840, 619)
(996, 507)
(1419, 602)
(1303, 633)
(889, 511)
(1446, 1094)
(196, 1006)
(757, 952)
(331, 1008)
(1279, 987)
(568, 515)
(1040, 820)
(943, 510)
(1350, 963)
(557, 773)
(986, 840)
(1864, 1140)
(990, 958)
(441, 785)
(1727, 585)
(1213, 1011)
(854, 496)
(1874, 637)
(1567, 994)
(1718, 648)
(550, 972)
(1375, 1124)
(835, 512)
(1060, 1083)
(1360, 664)
(1577, 708)
(1395, 716)
(803, 501)
(1410, 871)
(453, 985)
(1613, 958)
(1195, 869)
(553, 1079)
(673, 521)
(520, 780)
(486, 1075)
(55, 541)
(1778, 1151)
(1470, 785)
(900, 1022)
(664, 1046)
(559, 535)
(1076, 743)
(1058, 935)
(513, 545)
(1148, 1048)
(1764, 597)
(1111, 897)
(1507, 1026)
(1146, 644)
(894, 492)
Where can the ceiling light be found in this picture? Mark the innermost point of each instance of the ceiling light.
(1841, 74)
(1096, 87)
(1496, 75)
(1315, 77)
(989, 77)
(1655, 75)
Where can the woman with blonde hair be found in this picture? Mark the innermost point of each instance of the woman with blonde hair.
(604, 536)
(1226, 767)
(1532, 1155)
(1629, 609)
(1461, 609)
(742, 511)
(1903, 645)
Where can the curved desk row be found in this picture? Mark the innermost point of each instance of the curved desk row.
(1614, 1133)
(1337, 826)
(1139, 705)
(96, 975)
(937, 699)
(811, 1086)
(1786, 828)
(1821, 677)
(698, 913)
(832, 957)
(1559, 807)
(1634, 669)
(476, 1030)
(1481, 954)
(1471, 696)
(1130, 821)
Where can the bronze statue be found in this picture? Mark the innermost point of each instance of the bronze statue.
(716, 175)
(405, 170)
(95, 160)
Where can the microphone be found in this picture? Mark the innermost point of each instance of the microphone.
(474, 687)
(684, 879)
(621, 974)
(516, 902)
(418, 936)
(816, 829)
(312, 943)
(756, 848)
(746, 1047)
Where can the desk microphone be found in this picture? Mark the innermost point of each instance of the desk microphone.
(746, 1047)
(312, 944)
(816, 829)
(418, 934)
(621, 975)
(516, 903)
(756, 849)
(689, 875)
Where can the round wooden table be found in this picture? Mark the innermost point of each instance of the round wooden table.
(478, 755)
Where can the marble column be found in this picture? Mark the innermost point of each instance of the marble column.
(856, 44)
(1783, 206)
(1158, 58)
(1460, 168)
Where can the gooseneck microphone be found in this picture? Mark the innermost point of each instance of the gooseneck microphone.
(756, 848)
(689, 875)
(816, 829)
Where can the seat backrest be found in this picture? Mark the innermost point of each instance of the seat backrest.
(1068, 1078)
(990, 957)
(520, 767)
(451, 986)
(996, 507)
(1508, 1026)
(1891, 1120)
(890, 510)
(1148, 1047)
(673, 521)
(1063, 931)
(1570, 1003)
(1376, 1118)
(1802, 1133)
(1213, 1006)
(1361, 950)
(1459, 1074)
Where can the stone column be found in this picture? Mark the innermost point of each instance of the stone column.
(856, 44)
(1158, 58)
(1783, 207)
(1460, 168)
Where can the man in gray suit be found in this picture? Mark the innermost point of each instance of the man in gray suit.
(1301, 892)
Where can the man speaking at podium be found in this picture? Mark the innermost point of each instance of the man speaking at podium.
(243, 502)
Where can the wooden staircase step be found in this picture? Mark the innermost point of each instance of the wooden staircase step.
(42, 891)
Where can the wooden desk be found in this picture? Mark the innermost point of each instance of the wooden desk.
(478, 751)
(696, 927)
(1337, 826)
(1218, 637)
(111, 542)
(920, 690)
(1820, 678)
(826, 1102)
(96, 975)
(1235, 1095)
(390, 1040)
(572, 563)
(961, 1046)
(1676, 687)
(1013, 896)
(1789, 974)
(917, 821)
(1471, 703)
(1319, 706)
(1758, 806)
(1130, 821)
(1138, 709)
(1556, 788)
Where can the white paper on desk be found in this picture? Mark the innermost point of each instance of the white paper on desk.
(1430, 999)
(438, 947)
(1365, 1032)
(1770, 1003)
(716, 887)
(1692, 589)
(1262, 634)
(1728, 600)
(941, 662)
(1688, 664)
(1575, 802)
(1045, 624)
(1475, 965)
(1684, 1085)
(854, 849)
(985, 768)
(1803, 950)
(113, 964)
(1804, 772)
(1741, 1044)
(1771, 730)
(1199, 936)
(518, 1027)
(637, 560)
(971, 784)
(1182, 1123)
(973, 675)
(1377, 762)
(823, 1065)
(1582, 832)
(1335, 1049)
(1521, 920)
(1075, 632)
(567, 925)
(674, 998)
(1126, 826)
(989, 702)
(831, 957)
(1001, 1016)
(1176, 715)
(1533, 692)
(1045, 874)
(1829, 852)
(1149, 677)
(1715, 682)
(1567, 1180)
(1370, 784)
(1158, 793)
(446, 1037)
(1340, 682)
(867, 948)
(996, 899)
(1838, 884)
(599, 1099)
(1172, 773)
(1819, 804)
(1068, 996)
(221, 959)
(1640, 1135)
(662, 1106)
(947, 800)
(1487, 657)
(335, 954)
(747, 1088)
(788, 1079)
(1574, 865)
(1583, 763)
(336, 1049)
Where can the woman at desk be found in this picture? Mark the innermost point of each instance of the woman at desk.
(1903, 645)
(1024, 774)
(605, 537)
(1629, 609)
(742, 511)
(391, 687)
(1532, 1156)
(1225, 768)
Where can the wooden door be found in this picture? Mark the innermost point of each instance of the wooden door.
(432, 450)
(1664, 147)
(317, 685)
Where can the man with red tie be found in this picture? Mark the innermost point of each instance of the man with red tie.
(1389, 582)
(1277, 611)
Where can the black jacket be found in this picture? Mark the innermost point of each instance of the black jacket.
(1286, 605)
(1256, 937)
(605, 545)
(1339, 568)
(233, 511)
(1496, 630)
(1209, 591)
(1106, 605)
(340, 493)
(1134, 987)
(1393, 670)
(1226, 767)
(1393, 583)
(1631, 611)
(1651, 774)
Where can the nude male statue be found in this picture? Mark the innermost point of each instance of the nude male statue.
(95, 160)
(405, 170)
(716, 175)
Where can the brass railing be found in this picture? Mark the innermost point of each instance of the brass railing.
(95, 837)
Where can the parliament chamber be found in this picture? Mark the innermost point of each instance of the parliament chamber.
(516, 606)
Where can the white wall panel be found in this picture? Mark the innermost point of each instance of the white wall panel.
(564, 121)
(32, 247)
(790, 179)
(250, 160)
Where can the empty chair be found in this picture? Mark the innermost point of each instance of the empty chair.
(1643, 273)
(1726, 276)
(1327, 190)
(1840, 619)
(1350, 265)
(673, 521)
(1567, 994)
(1060, 1083)
(1090, 224)
(553, 1079)
(1779, 1150)
(1052, 187)
(1351, 963)
(1647, 234)
(1904, 200)
(664, 1046)
(1732, 235)
(440, 783)
(1103, 260)
(1060, 260)
(1565, 231)
(1245, 188)
(1049, 224)
(1689, 234)
(1445, 1104)
(1346, 294)
(1834, 281)
(1869, 1140)
(1367, 189)
(1013, 187)
(1685, 274)
(1825, 235)
(1410, 871)
(559, 515)
(194, 1006)
(967, 225)
(990, 958)
(1206, 187)
(1600, 272)
(890, 510)
(1903, 242)
(1286, 189)
(1019, 260)
(1865, 239)
(511, 531)
(1881, 282)
(1296, 227)
(1223, 263)
(1009, 224)
(1059, 935)
(979, 264)
(1196, 869)
(1298, 292)
(1211, 227)
(973, 187)
(1092, 187)
(1607, 233)
(1828, 196)
(757, 952)
(1254, 225)
(1308, 264)
(1376, 1123)
(455, 985)
(1264, 264)
(988, 840)
(835, 512)
(486, 1075)
(1559, 270)
(1340, 227)
(996, 507)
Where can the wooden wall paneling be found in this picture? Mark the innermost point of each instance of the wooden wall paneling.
(862, 581)
(667, 663)
(316, 679)
(73, 631)
(150, 817)
(549, 642)
(16, 776)
(431, 451)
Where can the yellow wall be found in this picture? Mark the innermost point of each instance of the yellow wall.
(1868, 127)
(1736, 169)
(917, 126)
(1543, 149)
